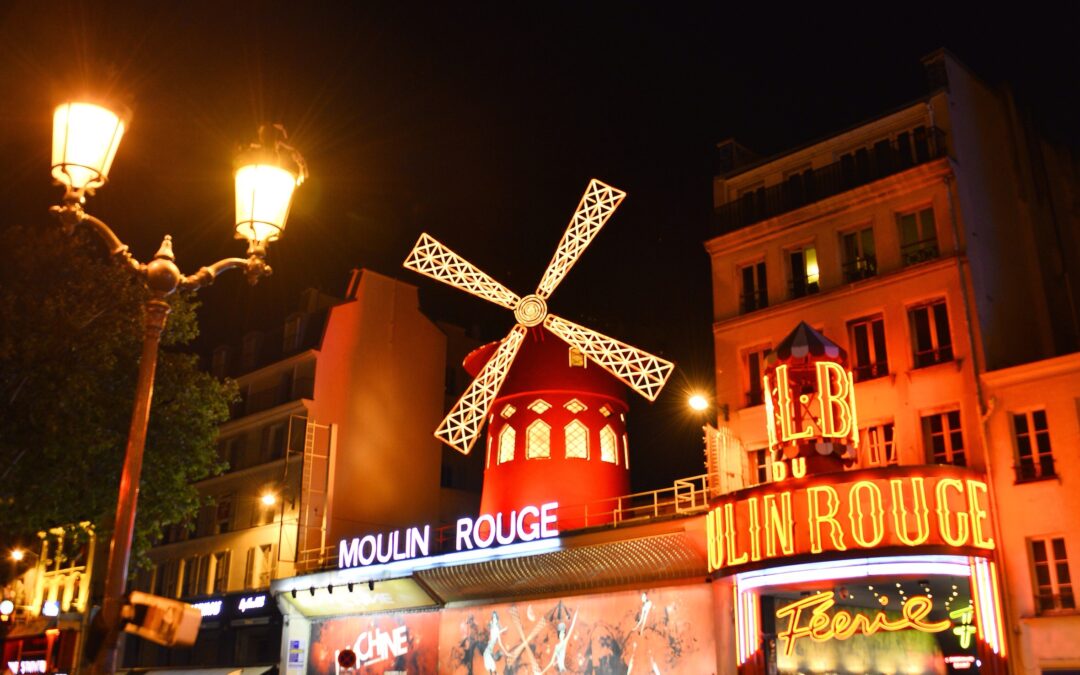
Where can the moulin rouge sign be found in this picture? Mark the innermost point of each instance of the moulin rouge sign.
(899, 507)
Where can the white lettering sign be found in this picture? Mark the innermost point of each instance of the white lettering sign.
(208, 607)
(375, 645)
(35, 666)
(528, 524)
(252, 602)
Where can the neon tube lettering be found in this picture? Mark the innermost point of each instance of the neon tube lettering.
(876, 515)
(817, 517)
(920, 514)
(960, 537)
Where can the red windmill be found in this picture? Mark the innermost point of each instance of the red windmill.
(557, 431)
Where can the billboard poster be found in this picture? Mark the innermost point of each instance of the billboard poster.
(665, 630)
(382, 643)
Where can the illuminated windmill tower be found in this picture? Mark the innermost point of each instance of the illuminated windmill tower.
(557, 431)
(809, 406)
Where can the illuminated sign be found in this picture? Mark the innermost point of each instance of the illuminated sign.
(810, 617)
(965, 630)
(377, 645)
(528, 524)
(208, 607)
(961, 661)
(827, 412)
(902, 507)
(251, 602)
(32, 666)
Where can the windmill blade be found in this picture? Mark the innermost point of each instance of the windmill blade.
(461, 427)
(641, 371)
(596, 206)
(432, 259)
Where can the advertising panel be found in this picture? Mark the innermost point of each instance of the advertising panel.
(382, 643)
(666, 630)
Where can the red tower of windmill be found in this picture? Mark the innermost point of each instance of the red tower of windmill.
(557, 429)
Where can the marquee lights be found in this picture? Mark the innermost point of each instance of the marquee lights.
(819, 625)
(870, 510)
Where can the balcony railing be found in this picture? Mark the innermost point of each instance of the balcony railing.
(753, 300)
(870, 371)
(932, 357)
(1028, 470)
(919, 251)
(865, 165)
(800, 288)
(1054, 602)
(859, 269)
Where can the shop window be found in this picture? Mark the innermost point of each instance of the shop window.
(609, 446)
(803, 268)
(539, 406)
(575, 406)
(869, 357)
(918, 236)
(1034, 459)
(759, 465)
(858, 258)
(220, 572)
(754, 293)
(943, 439)
(507, 438)
(879, 447)
(930, 334)
(754, 361)
(577, 440)
(538, 440)
(507, 411)
(1050, 568)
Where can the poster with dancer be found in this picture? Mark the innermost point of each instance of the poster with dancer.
(380, 643)
(651, 631)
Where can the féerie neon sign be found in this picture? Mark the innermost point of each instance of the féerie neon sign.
(809, 617)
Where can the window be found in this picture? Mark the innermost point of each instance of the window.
(759, 465)
(538, 440)
(754, 290)
(220, 572)
(223, 515)
(930, 336)
(575, 406)
(220, 362)
(1050, 566)
(577, 440)
(609, 446)
(859, 261)
(943, 439)
(878, 446)
(169, 578)
(754, 366)
(507, 438)
(507, 411)
(258, 566)
(918, 236)
(195, 574)
(230, 452)
(804, 271)
(539, 406)
(605, 410)
(275, 442)
(291, 337)
(1034, 460)
(249, 354)
(869, 357)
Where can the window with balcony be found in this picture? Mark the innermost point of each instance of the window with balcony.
(223, 514)
(1034, 459)
(219, 572)
(869, 358)
(918, 236)
(754, 366)
(943, 438)
(195, 575)
(803, 268)
(930, 334)
(1050, 572)
(859, 260)
(753, 290)
(878, 444)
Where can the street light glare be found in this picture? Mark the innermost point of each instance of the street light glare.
(698, 402)
(263, 193)
(85, 140)
(17, 554)
(268, 499)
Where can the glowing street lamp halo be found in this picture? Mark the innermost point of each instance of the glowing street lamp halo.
(17, 554)
(697, 402)
(86, 136)
(268, 498)
(266, 177)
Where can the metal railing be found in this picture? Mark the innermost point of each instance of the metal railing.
(859, 167)
(860, 268)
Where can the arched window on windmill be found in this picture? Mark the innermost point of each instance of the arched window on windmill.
(507, 438)
(609, 445)
(577, 440)
(538, 440)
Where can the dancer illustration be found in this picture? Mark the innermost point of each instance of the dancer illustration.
(643, 615)
(558, 657)
(494, 640)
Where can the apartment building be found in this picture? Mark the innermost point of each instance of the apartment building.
(335, 414)
(918, 242)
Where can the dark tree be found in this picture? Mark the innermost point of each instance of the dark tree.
(70, 339)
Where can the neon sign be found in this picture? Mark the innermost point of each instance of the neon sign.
(251, 602)
(528, 524)
(938, 506)
(208, 607)
(829, 412)
(819, 625)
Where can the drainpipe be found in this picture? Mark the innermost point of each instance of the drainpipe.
(985, 411)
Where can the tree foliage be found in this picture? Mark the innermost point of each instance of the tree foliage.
(70, 340)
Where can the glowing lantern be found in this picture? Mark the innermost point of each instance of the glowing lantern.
(85, 139)
(264, 189)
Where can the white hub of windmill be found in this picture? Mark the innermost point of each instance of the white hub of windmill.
(641, 371)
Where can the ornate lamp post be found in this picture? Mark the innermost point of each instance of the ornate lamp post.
(85, 139)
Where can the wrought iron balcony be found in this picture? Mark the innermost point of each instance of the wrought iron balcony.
(1028, 470)
(753, 300)
(859, 269)
(870, 371)
(857, 168)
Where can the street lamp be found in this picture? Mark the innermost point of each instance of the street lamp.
(85, 139)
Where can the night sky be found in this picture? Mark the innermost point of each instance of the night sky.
(482, 124)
